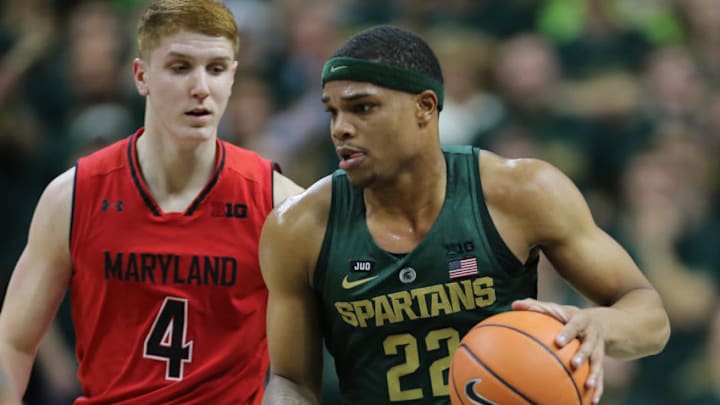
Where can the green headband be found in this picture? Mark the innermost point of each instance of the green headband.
(360, 70)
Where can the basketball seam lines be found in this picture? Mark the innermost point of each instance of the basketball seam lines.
(505, 383)
(454, 386)
(569, 374)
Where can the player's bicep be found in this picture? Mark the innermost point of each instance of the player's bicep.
(584, 254)
(293, 328)
(596, 265)
(293, 339)
(40, 278)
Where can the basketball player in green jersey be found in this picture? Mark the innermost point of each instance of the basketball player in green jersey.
(395, 256)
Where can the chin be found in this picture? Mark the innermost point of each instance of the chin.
(360, 181)
(197, 134)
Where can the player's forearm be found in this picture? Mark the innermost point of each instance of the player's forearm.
(281, 391)
(8, 398)
(15, 367)
(636, 325)
(8, 394)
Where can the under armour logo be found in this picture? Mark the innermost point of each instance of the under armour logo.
(106, 204)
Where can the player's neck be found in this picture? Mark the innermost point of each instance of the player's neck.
(172, 170)
(400, 216)
(418, 192)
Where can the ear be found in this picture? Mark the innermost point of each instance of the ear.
(427, 103)
(233, 70)
(139, 69)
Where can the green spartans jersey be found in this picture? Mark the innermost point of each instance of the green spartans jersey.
(392, 322)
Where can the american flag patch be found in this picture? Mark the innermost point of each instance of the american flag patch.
(463, 267)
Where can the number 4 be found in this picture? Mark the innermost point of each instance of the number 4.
(166, 340)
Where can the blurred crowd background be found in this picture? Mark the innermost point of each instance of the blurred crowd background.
(622, 95)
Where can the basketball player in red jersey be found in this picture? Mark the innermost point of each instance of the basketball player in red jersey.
(157, 238)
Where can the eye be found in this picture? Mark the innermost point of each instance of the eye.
(179, 67)
(362, 108)
(217, 68)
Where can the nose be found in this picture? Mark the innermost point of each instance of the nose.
(340, 128)
(200, 89)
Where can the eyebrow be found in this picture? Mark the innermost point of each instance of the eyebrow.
(180, 55)
(350, 97)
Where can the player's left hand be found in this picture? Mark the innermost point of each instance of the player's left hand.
(579, 323)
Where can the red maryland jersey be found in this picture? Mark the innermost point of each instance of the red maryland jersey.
(169, 308)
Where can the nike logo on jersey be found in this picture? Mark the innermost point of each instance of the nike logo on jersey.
(347, 284)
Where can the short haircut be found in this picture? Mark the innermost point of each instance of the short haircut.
(167, 17)
(393, 46)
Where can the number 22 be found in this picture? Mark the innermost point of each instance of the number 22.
(391, 345)
(166, 340)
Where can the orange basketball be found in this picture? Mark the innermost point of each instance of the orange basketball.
(511, 358)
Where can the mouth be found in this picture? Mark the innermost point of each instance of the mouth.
(350, 157)
(198, 112)
(347, 152)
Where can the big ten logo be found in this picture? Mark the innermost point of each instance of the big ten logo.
(459, 248)
(229, 210)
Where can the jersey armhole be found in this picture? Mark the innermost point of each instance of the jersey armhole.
(72, 206)
(274, 167)
(323, 257)
(500, 250)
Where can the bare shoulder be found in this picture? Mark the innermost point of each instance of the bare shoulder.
(283, 188)
(523, 180)
(304, 209)
(48, 239)
(58, 195)
(532, 191)
(296, 228)
(298, 223)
